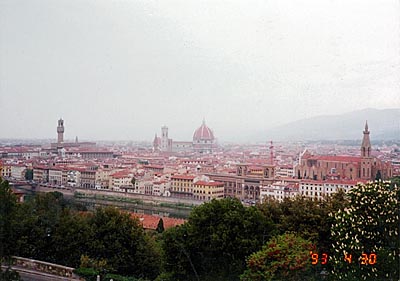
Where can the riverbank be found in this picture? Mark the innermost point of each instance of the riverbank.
(138, 203)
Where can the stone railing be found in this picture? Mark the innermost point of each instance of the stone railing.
(45, 267)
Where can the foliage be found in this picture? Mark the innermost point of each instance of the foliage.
(90, 274)
(165, 276)
(215, 241)
(87, 262)
(50, 228)
(212, 245)
(116, 277)
(120, 240)
(90, 268)
(284, 257)
(71, 236)
(395, 181)
(8, 209)
(177, 261)
(29, 174)
(9, 275)
(37, 223)
(160, 226)
(378, 175)
(370, 226)
(306, 217)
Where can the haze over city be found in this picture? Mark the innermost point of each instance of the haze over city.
(122, 69)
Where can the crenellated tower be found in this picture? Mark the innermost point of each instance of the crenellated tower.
(60, 131)
(164, 138)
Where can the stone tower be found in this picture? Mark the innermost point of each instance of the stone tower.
(60, 131)
(156, 143)
(164, 138)
(366, 159)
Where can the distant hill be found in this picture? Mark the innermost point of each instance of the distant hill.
(384, 124)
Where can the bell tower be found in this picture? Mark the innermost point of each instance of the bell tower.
(60, 131)
(366, 159)
(366, 144)
(164, 138)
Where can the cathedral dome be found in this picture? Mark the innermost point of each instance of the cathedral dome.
(203, 133)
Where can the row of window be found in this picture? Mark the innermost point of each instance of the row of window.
(325, 188)
(311, 193)
(230, 191)
(205, 197)
(209, 192)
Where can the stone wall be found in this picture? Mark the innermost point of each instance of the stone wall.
(45, 267)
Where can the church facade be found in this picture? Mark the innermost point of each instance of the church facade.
(363, 167)
(203, 141)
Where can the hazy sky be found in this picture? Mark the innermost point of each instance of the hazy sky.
(122, 69)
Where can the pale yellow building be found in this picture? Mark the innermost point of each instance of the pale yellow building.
(207, 191)
(182, 186)
(6, 171)
(103, 177)
(121, 181)
(198, 188)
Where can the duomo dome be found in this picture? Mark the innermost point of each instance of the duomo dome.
(203, 133)
(203, 141)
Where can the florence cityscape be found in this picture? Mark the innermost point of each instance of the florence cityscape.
(199, 140)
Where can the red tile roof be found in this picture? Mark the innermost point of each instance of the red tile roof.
(334, 158)
(151, 222)
(153, 167)
(183, 177)
(203, 133)
(211, 183)
(351, 182)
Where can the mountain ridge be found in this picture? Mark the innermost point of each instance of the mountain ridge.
(384, 124)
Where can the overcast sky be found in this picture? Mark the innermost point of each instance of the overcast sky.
(122, 69)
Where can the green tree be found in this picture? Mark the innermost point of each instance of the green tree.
(121, 241)
(8, 209)
(284, 257)
(37, 222)
(395, 181)
(160, 226)
(29, 174)
(178, 263)
(50, 229)
(367, 229)
(9, 275)
(215, 241)
(306, 217)
(378, 175)
(72, 236)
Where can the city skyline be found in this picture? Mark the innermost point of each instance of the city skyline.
(120, 70)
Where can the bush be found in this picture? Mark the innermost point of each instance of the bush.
(368, 226)
(9, 275)
(90, 274)
(116, 277)
(284, 257)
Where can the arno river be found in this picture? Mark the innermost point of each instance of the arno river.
(133, 205)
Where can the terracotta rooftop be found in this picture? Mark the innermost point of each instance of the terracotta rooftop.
(203, 133)
(353, 182)
(183, 177)
(334, 158)
(211, 183)
(151, 222)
